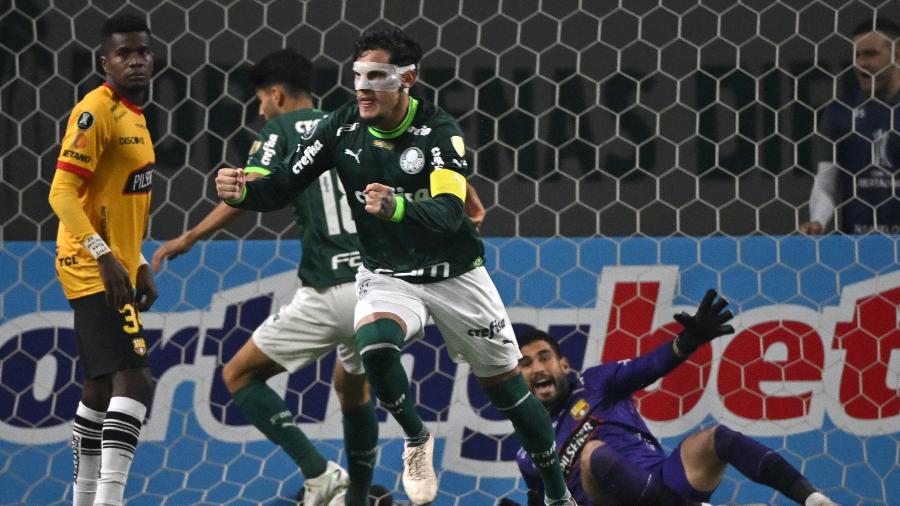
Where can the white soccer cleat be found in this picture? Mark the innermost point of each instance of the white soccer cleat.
(419, 480)
(819, 499)
(320, 490)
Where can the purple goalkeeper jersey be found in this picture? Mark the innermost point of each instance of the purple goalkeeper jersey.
(600, 406)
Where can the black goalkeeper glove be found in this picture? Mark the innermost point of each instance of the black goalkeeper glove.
(708, 323)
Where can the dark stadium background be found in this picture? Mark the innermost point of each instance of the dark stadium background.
(581, 118)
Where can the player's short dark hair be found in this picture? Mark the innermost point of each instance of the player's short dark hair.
(286, 67)
(125, 22)
(884, 26)
(533, 336)
(404, 50)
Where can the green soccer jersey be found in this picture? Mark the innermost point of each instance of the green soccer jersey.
(434, 240)
(327, 231)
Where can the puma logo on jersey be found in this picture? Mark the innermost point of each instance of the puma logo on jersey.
(349, 127)
(354, 155)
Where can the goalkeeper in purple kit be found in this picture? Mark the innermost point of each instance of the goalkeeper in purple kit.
(606, 450)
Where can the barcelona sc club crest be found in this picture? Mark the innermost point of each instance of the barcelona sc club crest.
(140, 346)
(580, 409)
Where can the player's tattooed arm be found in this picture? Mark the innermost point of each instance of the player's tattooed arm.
(380, 201)
(474, 207)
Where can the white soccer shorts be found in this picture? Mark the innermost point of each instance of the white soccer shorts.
(466, 309)
(315, 322)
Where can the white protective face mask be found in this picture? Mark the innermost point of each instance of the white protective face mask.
(391, 81)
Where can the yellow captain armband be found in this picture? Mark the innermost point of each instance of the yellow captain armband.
(448, 181)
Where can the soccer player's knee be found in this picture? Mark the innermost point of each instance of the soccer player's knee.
(231, 375)
(379, 332)
(378, 359)
(586, 453)
(379, 343)
(722, 439)
(351, 389)
(137, 384)
(601, 459)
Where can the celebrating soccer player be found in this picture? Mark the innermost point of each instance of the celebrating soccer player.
(101, 193)
(402, 160)
(319, 318)
(611, 456)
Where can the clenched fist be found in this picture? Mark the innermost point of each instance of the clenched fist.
(380, 200)
(230, 183)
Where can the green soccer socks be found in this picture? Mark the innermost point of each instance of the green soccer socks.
(361, 442)
(532, 425)
(269, 413)
(379, 344)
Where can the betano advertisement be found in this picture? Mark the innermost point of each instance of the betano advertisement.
(812, 370)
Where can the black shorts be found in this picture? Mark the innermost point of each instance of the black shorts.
(109, 340)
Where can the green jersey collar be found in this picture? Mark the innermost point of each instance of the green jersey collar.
(397, 132)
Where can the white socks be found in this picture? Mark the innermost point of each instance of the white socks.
(121, 429)
(86, 454)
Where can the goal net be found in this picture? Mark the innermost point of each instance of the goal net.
(630, 155)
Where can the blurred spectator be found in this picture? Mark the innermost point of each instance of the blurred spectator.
(859, 180)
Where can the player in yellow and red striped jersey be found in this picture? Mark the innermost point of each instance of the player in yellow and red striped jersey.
(101, 194)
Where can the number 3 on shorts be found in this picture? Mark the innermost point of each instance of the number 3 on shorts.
(132, 319)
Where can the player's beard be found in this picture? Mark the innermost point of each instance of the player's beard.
(367, 122)
(383, 116)
(559, 395)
